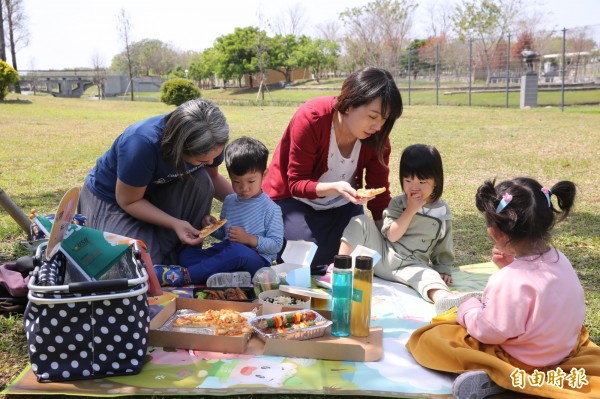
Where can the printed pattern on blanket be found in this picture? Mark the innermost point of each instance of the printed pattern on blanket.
(396, 308)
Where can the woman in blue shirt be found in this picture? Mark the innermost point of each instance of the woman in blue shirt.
(157, 181)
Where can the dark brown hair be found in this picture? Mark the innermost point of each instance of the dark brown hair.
(364, 86)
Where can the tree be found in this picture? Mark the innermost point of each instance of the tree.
(284, 55)
(317, 55)
(237, 53)
(203, 67)
(2, 41)
(99, 74)
(17, 31)
(8, 76)
(124, 27)
(375, 33)
(440, 21)
(488, 22)
(291, 22)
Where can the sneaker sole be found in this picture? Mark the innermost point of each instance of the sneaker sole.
(475, 385)
(448, 303)
(235, 279)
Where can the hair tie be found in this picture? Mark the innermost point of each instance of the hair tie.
(547, 192)
(506, 198)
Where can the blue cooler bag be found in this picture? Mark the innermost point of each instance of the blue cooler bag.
(91, 329)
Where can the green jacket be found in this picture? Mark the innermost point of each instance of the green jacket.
(428, 238)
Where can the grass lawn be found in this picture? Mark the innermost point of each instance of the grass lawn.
(49, 144)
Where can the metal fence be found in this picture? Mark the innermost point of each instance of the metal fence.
(457, 72)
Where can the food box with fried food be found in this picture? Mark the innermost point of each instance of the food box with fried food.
(237, 294)
(183, 321)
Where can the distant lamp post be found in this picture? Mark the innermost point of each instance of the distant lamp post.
(186, 73)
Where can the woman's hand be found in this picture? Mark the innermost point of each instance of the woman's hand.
(187, 233)
(342, 188)
(500, 258)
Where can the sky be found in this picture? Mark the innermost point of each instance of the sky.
(65, 34)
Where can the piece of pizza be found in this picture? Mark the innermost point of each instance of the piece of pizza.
(211, 228)
(203, 320)
(369, 192)
(231, 323)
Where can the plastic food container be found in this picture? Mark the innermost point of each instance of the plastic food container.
(229, 294)
(316, 330)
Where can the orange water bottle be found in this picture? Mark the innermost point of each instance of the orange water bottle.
(362, 289)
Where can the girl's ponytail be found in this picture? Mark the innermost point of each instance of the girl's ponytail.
(565, 192)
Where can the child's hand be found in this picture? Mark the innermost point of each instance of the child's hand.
(208, 220)
(501, 259)
(415, 201)
(238, 234)
(446, 277)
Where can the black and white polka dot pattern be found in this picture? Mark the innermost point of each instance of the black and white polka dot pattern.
(80, 340)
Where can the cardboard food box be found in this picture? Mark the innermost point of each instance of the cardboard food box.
(186, 340)
(270, 307)
(367, 349)
(297, 257)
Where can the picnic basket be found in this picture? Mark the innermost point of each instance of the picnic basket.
(89, 329)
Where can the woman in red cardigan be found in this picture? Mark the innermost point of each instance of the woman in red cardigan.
(329, 146)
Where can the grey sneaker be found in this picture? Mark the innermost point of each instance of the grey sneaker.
(235, 279)
(474, 385)
(453, 300)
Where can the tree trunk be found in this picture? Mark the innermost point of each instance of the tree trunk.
(11, 38)
(2, 42)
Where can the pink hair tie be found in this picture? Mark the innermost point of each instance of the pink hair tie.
(506, 198)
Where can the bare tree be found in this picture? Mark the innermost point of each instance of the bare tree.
(17, 31)
(99, 74)
(488, 22)
(291, 22)
(376, 32)
(2, 42)
(440, 18)
(329, 30)
(124, 27)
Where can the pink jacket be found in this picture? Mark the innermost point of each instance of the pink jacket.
(533, 308)
(301, 158)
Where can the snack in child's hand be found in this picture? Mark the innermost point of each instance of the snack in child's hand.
(369, 192)
(211, 228)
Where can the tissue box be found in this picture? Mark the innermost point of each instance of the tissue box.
(297, 256)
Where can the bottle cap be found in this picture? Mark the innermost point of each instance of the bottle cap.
(342, 261)
(364, 262)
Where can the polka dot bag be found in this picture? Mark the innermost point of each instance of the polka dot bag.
(89, 329)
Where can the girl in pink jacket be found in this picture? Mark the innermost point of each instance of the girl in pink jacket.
(526, 332)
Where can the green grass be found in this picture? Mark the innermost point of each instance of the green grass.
(49, 144)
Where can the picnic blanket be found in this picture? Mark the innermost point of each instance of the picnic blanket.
(396, 308)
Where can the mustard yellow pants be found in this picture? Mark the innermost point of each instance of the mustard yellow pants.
(446, 346)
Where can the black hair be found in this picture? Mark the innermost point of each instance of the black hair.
(364, 86)
(244, 155)
(527, 216)
(424, 162)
